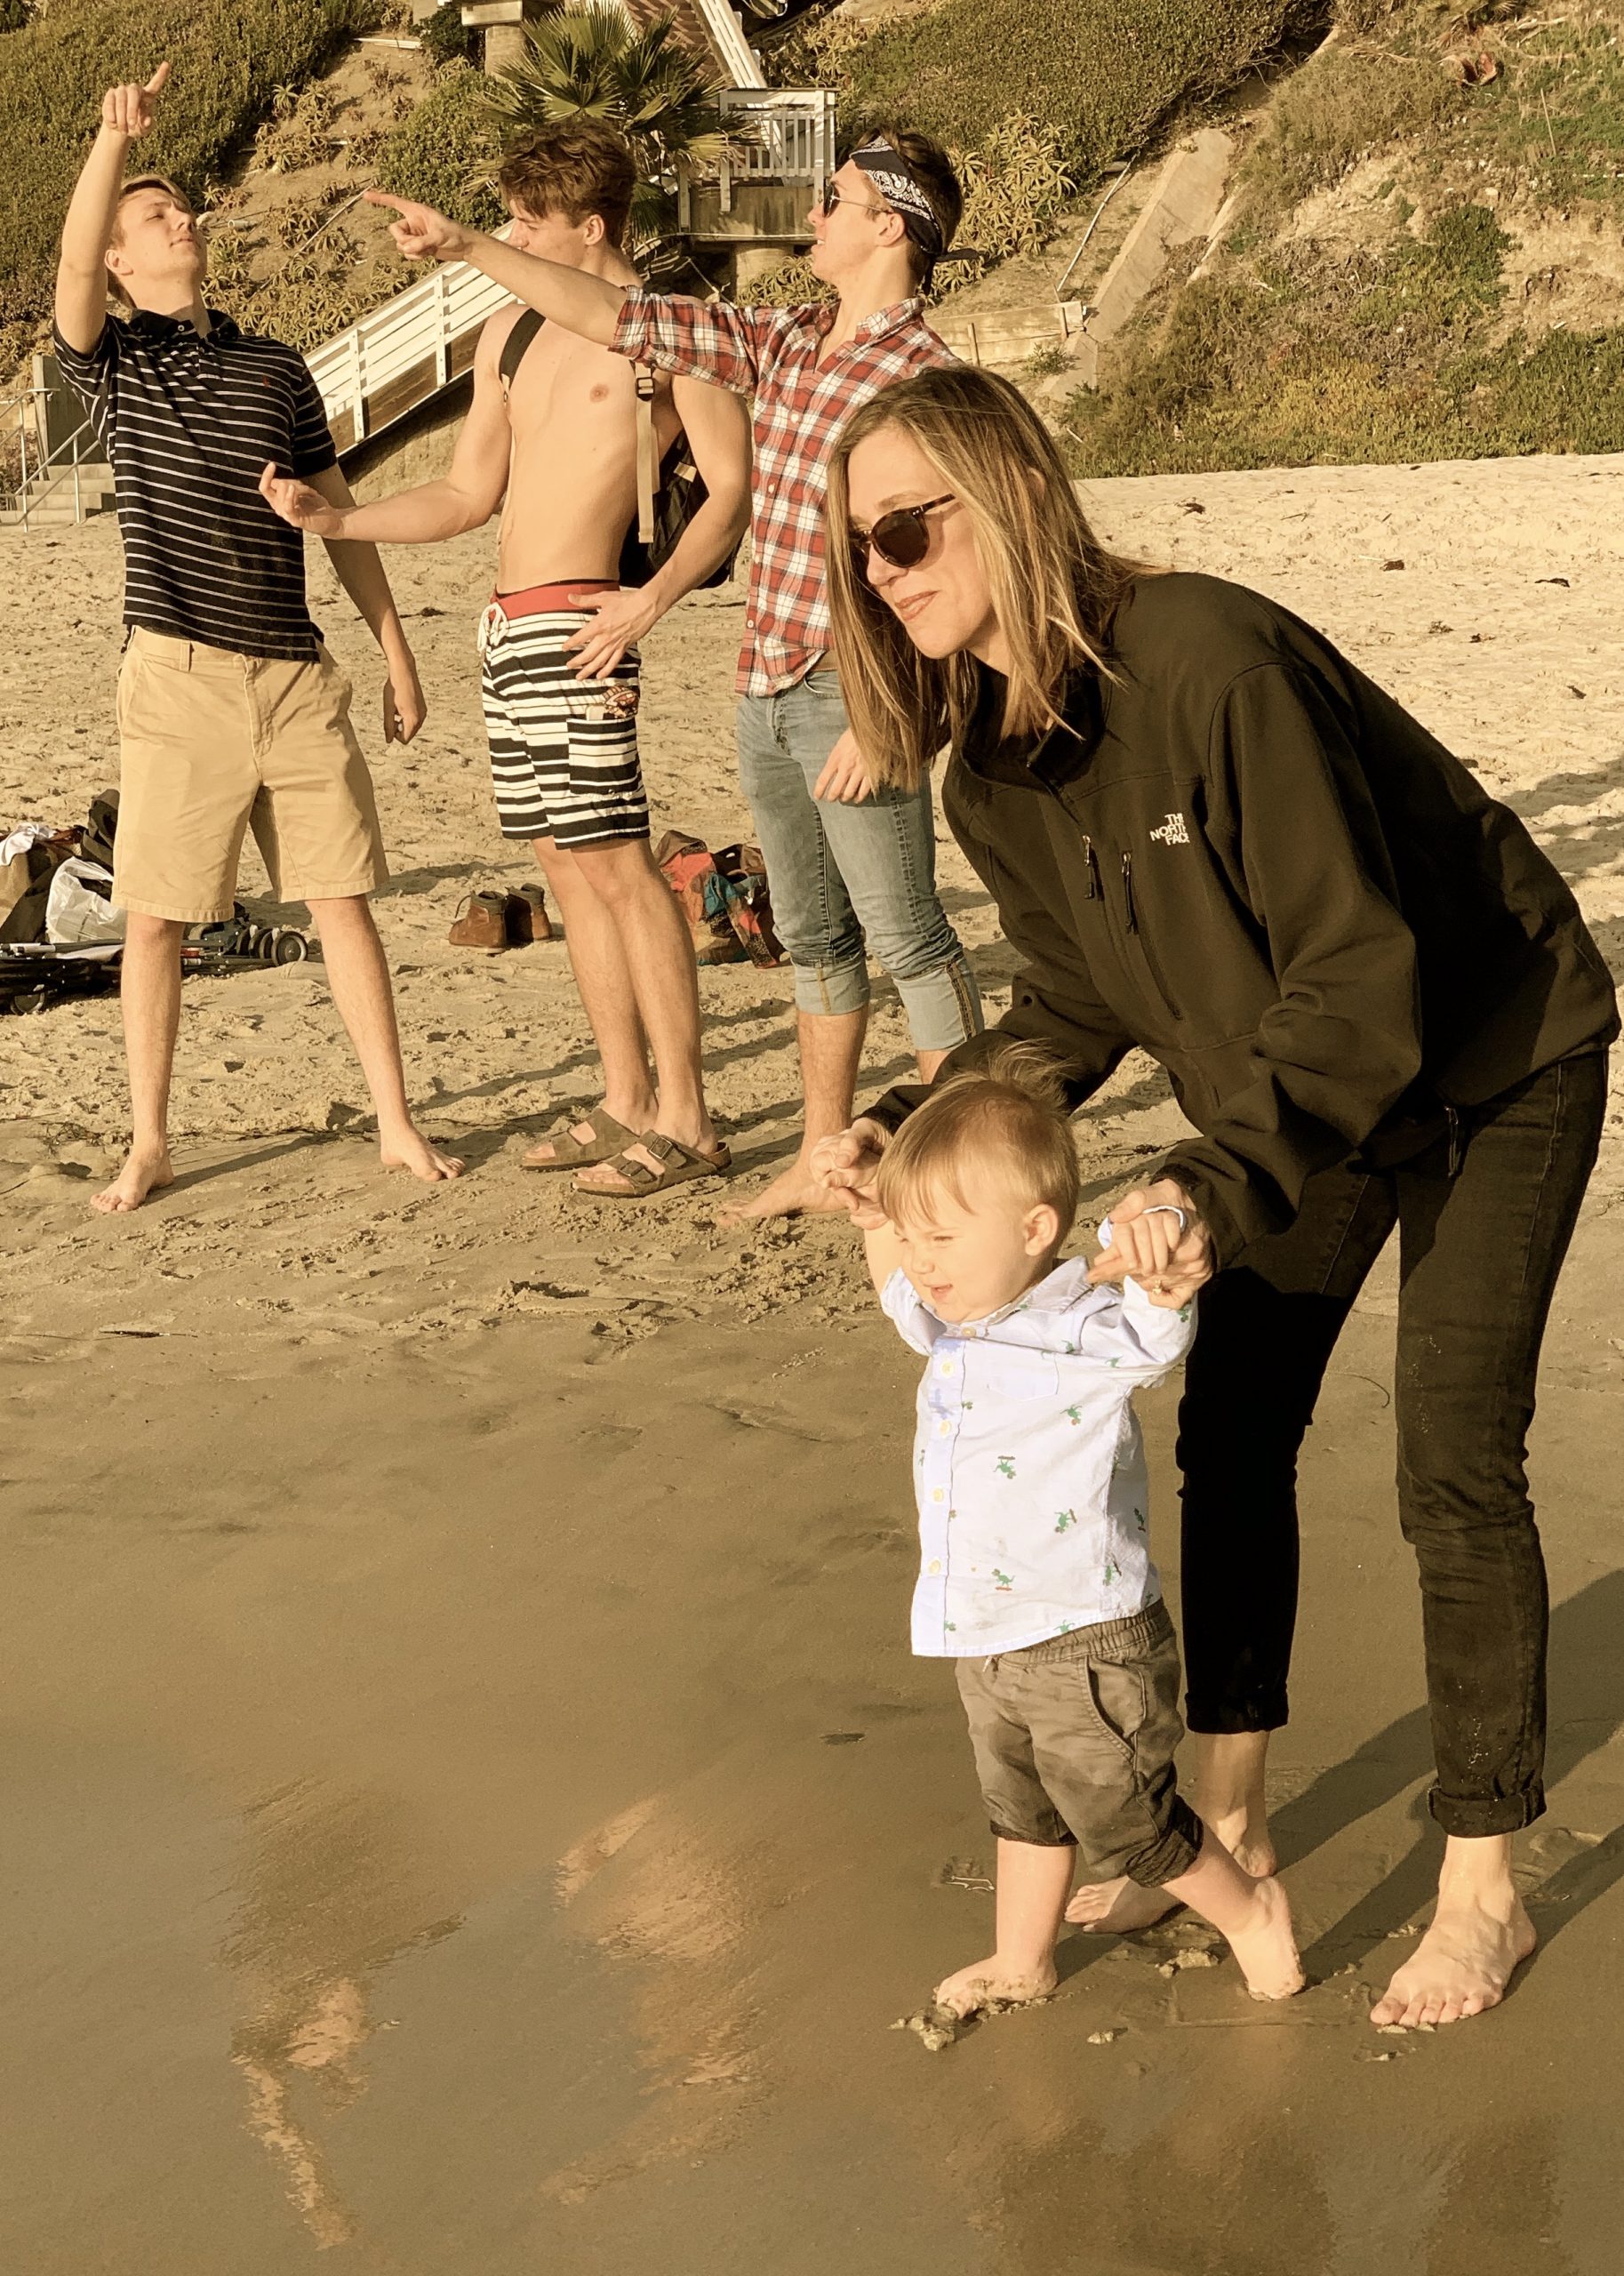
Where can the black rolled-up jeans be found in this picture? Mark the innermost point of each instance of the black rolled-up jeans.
(1479, 1254)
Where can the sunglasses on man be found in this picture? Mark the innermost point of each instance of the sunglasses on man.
(901, 537)
(834, 195)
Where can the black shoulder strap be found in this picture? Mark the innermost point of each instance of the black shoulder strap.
(516, 345)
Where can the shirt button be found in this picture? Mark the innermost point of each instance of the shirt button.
(935, 1565)
(937, 1494)
(947, 1366)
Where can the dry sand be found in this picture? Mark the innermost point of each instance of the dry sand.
(470, 1805)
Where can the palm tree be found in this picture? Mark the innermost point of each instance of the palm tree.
(595, 62)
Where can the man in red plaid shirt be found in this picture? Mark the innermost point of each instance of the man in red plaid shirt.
(852, 869)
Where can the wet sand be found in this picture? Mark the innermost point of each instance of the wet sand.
(470, 1805)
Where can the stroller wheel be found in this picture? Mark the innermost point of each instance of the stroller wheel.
(289, 947)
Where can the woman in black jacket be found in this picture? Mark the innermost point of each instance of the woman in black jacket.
(1210, 837)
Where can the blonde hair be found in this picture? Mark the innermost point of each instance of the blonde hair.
(1053, 584)
(117, 286)
(1006, 1120)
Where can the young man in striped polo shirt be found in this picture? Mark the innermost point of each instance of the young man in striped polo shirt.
(852, 871)
(231, 714)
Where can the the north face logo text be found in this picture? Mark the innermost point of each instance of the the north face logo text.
(1172, 832)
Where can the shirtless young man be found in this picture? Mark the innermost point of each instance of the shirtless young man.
(853, 871)
(231, 714)
(559, 438)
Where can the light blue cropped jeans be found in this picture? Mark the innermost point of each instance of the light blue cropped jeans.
(849, 881)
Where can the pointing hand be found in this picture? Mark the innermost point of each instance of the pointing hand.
(129, 109)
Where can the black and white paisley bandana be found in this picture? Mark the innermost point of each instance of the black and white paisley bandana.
(887, 170)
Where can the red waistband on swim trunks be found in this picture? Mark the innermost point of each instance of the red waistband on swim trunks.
(544, 600)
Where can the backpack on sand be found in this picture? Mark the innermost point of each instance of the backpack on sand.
(670, 491)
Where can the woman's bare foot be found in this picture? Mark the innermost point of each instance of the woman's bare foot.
(1463, 1963)
(1266, 1946)
(145, 1170)
(794, 1192)
(1230, 1766)
(411, 1151)
(1117, 1908)
(993, 1980)
(1245, 1835)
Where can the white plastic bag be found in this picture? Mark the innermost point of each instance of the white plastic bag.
(74, 914)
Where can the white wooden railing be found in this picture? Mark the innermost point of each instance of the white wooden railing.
(422, 326)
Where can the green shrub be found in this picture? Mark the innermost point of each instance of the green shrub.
(230, 57)
(1390, 359)
(1017, 185)
(447, 39)
(439, 153)
(1102, 73)
(15, 14)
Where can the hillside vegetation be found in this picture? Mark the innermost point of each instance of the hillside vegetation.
(1102, 74)
(1424, 260)
(230, 58)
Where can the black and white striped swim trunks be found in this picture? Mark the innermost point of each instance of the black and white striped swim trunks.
(564, 751)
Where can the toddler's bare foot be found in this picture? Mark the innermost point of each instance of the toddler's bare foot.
(1266, 1947)
(994, 1982)
(1461, 1966)
(411, 1151)
(145, 1170)
(1117, 1908)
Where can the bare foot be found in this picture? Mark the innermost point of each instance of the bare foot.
(994, 1982)
(1266, 1947)
(794, 1192)
(1245, 1835)
(1117, 1908)
(1461, 1966)
(143, 1172)
(412, 1151)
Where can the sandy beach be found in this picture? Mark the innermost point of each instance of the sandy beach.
(470, 1803)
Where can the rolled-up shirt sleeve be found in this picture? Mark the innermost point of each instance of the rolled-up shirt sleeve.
(699, 339)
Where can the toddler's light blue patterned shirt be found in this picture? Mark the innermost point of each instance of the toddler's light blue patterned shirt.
(1029, 1465)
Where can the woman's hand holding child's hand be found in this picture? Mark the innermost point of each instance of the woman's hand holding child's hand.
(1170, 1262)
(846, 1167)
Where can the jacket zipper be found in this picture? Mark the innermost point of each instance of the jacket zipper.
(1090, 870)
(1131, 913)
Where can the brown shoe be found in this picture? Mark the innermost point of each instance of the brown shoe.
(527, 917)
(481, 922)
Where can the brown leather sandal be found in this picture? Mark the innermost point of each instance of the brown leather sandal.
(678, 1165)
(573, 1153)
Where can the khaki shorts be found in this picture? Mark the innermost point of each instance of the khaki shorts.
(213, 743)
(1074, 1742)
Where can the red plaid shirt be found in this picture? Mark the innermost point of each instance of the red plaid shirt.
(773, 354)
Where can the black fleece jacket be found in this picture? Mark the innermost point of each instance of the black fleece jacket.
(1243, 857)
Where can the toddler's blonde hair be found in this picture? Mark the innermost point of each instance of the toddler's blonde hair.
(1004, 1122)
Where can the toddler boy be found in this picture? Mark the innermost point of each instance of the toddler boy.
(1036, 1572)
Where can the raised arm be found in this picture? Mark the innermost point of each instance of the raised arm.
(81, 275)
(465, 499)
(581, 303)
(703, 339)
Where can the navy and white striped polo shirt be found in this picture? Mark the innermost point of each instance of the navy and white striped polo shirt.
(188, 423)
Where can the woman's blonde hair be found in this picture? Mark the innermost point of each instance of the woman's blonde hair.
(1003, 1123)
(1053, 585)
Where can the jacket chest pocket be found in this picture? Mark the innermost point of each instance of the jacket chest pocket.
(1107, 894)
